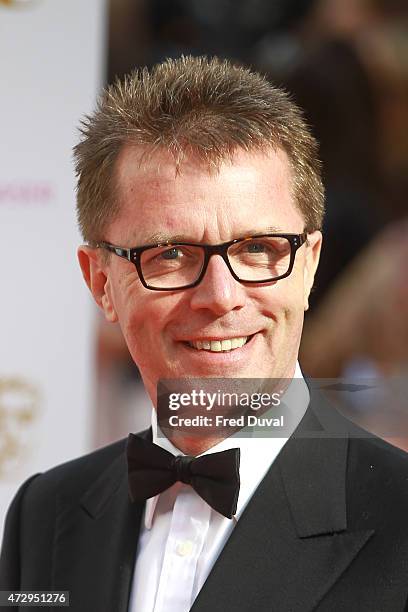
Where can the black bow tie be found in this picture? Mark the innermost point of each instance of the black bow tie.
(215, 477)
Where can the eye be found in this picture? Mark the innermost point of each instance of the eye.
(172, 253)
(255, 247)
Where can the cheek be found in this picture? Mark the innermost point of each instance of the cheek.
(141, 326)
(129, 304)
(146, 320)
(290, 314)
(285, 300)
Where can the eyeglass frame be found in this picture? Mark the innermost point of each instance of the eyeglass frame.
(134, 256)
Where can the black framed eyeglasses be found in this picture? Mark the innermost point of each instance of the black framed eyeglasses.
(182, 265)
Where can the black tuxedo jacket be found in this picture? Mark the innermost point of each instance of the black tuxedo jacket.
(326, 530)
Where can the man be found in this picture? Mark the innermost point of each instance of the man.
(200, 200)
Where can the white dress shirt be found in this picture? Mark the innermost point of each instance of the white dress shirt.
(181, 536)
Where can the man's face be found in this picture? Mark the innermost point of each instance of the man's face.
(248, 196)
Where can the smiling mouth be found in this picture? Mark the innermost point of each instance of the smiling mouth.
(219, 346)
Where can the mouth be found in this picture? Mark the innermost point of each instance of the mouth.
(219, 345)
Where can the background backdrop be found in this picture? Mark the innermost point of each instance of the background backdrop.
(51, 54)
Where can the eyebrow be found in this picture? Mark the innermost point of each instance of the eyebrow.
(162, 237)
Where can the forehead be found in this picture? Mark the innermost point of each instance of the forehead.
(250, 192)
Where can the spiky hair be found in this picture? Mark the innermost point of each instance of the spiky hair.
(191, 106)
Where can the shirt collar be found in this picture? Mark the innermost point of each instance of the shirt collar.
(257, 454)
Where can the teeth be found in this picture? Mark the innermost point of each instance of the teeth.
(226, 345)
(217, 346)
(237, 342)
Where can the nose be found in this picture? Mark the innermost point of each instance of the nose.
(218, 291)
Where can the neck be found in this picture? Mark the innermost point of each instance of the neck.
(194, 438)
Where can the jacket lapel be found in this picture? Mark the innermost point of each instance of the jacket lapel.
(291, 544)
(95, 543)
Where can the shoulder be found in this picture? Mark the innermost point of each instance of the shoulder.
(376, 476)
(379, 465)
(369, 452)
(374, 467)
(30, 520)
(75, 475)
(36, 496)
(71, 479)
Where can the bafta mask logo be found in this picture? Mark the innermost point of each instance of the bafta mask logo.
(19, 407)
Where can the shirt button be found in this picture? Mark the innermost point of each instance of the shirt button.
(184, 549)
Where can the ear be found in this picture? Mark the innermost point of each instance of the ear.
(313, 248)
(96, 275)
